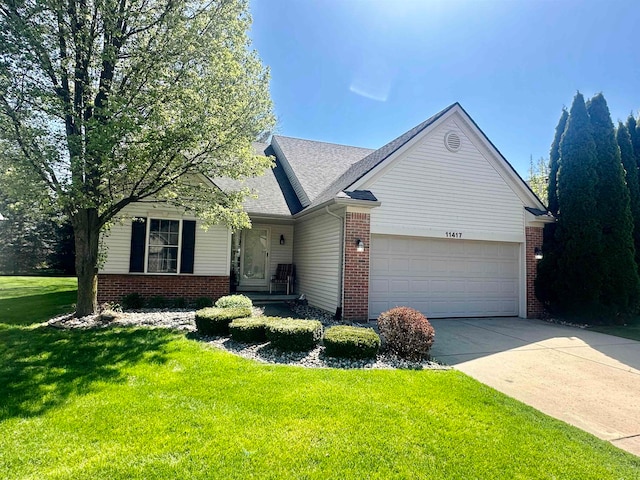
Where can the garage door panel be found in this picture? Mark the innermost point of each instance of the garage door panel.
(379, 265)
(419, 286)
(438, 266)
(399, 286)
(379, 286)
(444, 278)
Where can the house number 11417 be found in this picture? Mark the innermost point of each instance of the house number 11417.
(453, 234)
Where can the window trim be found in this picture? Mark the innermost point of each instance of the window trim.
(150, 218)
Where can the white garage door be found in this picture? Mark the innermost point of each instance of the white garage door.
(444, 277)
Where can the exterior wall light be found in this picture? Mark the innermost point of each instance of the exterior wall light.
(537, 253)
(281, 239)
(359, 245)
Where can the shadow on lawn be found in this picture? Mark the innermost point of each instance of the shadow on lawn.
(32, 309)
(41, 367)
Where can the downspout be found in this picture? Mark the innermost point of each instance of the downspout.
(338, 315)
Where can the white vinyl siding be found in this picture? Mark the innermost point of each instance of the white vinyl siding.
(211, 252)
(430, 190)
(316, 254)
(444, 278)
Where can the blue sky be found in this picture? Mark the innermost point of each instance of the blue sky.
(363, 72)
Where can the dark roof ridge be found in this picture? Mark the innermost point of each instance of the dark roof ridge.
(362, 167)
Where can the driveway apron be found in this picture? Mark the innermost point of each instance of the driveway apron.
(587, 379)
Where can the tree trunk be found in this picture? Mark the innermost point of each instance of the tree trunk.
(86, 231)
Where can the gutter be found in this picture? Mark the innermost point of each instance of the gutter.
(338, 201)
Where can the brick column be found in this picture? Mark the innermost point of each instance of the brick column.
(533, 239)
(355, 306)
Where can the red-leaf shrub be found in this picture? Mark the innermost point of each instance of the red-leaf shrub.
(406, 332)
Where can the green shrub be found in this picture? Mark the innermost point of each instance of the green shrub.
(250, 330)
(132, 301)
(406, 332)
(295, 335)
(351, 342)
(203, 302)
(232, 301)
(215, 321)
(157, 302)
(180, 302)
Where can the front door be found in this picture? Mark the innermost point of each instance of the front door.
(254, 271)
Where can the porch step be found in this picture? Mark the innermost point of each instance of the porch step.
(264, 297)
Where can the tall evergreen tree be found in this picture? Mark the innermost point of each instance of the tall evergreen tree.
(634, 133)
(578, 232)
(619, 275)
(554, 157)
(631, 173)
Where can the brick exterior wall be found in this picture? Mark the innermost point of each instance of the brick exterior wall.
(355, 306)
(112, 287)
(533, 239)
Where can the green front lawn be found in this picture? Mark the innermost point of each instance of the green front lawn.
(139, 403)
(28, 300)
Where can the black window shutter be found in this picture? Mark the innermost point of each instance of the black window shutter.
(188, 246)
(138, 238)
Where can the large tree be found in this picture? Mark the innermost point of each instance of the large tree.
(554, 158)
(619, 275)
(578, 233)
(634, 133)
(631, 174)
(108, 102)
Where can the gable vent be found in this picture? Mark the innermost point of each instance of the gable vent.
(452, 141)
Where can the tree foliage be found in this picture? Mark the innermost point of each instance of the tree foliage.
(554, 163)
(634, 133)
(578, 232)
(619, 276)
(631, 174)
(104, 103)
(589, 267)
(539, 178)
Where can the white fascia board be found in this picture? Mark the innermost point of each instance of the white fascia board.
(537, 220)
(271, 219)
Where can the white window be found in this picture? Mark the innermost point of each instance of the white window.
(164, 246)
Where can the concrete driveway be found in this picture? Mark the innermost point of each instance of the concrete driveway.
(588, 379)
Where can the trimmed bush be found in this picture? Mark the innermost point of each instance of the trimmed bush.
(203, 302)
(215, 321)
(157, 302)
(351, 342)
(233, 301)
(250, 330)
(179, 302)
(294, 335)
(406, 332)
(132, 301)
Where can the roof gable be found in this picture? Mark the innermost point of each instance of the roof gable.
(375, 158)
(470, 129)
(274, 194)
(312, 166)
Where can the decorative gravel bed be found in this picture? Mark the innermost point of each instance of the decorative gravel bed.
(184, 320)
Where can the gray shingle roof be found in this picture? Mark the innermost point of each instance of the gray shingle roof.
(361, 168)
(275, 194)
(536, 211)
(361, 195)
(318, 164)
